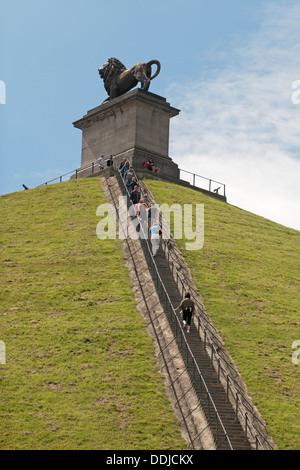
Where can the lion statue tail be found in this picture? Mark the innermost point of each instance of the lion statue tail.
(154, 62)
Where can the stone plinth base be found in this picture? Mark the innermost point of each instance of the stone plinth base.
(134, 126)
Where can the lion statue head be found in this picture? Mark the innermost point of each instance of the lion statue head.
(112, 67)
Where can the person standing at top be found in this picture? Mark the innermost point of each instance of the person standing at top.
(101, 162)
(188, 310)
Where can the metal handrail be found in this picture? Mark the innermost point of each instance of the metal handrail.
(91, 165)
(210, 181)
(178, 276)
(76, 172)
(151, 258)
(231, 384)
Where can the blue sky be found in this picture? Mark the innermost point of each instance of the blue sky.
(228, 65)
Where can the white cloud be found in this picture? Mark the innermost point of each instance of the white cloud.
(241, 127)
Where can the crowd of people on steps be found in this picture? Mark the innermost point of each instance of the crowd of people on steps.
(148, 215)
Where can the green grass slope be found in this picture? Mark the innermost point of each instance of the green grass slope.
(248, 275)
(80, 368)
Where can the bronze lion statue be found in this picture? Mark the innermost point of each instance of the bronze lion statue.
(119, 80)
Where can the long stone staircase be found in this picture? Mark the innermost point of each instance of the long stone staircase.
(202, 393)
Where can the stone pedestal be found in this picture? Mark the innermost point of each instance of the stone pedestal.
(135, 125)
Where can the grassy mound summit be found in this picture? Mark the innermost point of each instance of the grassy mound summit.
(80, 368)
(248, 275)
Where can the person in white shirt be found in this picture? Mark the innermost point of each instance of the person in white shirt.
(101, 162)
(155, 233)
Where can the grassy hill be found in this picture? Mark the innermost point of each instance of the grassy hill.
(80, 368)
(248, 275)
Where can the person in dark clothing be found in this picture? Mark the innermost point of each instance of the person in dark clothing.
(110, 161)
(131, 185)
(122, 163)
(188, 310)
(135, 195)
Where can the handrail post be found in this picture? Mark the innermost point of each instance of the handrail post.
(246, 426)
(227, 387)
(208, 406)
(219, 370)
(237, 405)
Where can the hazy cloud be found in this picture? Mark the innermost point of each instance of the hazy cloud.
(240, 127)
